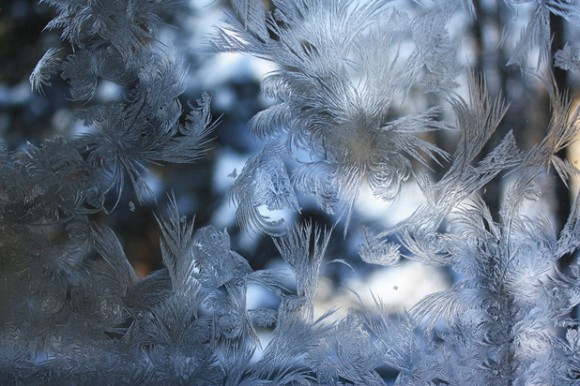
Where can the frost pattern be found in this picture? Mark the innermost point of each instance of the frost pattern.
(74, 309)
(264, 183)
(341, 76)
(568, 58)
(47, 66)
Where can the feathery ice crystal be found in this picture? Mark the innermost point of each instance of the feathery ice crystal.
(362, 89)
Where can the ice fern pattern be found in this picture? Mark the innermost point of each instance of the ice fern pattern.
(361, 91)
(342, 74)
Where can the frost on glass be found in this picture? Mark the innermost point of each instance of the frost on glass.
(361, 91)
(342, 70)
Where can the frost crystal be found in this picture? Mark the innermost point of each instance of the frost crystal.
(367, 93)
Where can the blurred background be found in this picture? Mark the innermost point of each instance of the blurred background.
(233, 80)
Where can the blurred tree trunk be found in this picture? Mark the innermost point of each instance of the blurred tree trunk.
(562, 193)
(491, 58)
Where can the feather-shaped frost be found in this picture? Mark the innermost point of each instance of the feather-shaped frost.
(569, 238)
(379, 252)
(214, 260)
(50, 183)
(46, 67)
(477, 118)
(562, 131)
(568, 58)
(435, 48)
(347, 70)
(146, 129)
(567, 9)
(342, 69)
(349, 357)
(318, 179)
(176, 248)
(127, 26)
(303, 248)
(190, 141)
(264, 184)
(80, 70)
(149, 292)
(262, 317)
(118, 274)
(398, 343)
(252, 15)
(285, 358)
(535, 33)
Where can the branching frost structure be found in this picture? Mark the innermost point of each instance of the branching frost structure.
(73, 307)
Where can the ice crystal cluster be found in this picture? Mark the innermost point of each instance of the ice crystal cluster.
(362, 89)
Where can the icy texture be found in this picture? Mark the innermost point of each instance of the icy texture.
(75, 312)
(342, 72)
